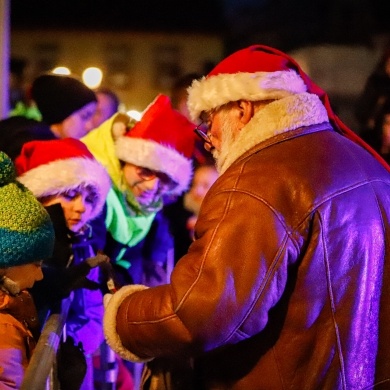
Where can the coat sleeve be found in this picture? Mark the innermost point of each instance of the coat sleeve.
(221, 291)
(13, 358)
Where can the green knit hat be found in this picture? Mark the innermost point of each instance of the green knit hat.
(26, 231)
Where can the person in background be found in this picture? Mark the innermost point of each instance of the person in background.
(204, 177)
(374, 94)
(72, 185)
(15, 131)
(287, 284)
(107, 106)
(66, 104)
(379, 136)
(26, 238)
(145, 161)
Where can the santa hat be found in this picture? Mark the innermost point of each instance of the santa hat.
(163, 140)
(54, 167)
(260, 73)
(59, 96)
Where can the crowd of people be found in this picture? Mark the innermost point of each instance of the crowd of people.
(235, 237)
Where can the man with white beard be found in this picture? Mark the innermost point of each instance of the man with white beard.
(287, 284)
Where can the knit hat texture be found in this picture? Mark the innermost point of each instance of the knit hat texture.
(26, 231)
(260, 73)
(163, 140)
(59, 96)
(57, 166)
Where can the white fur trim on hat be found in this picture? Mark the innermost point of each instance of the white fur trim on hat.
(215, 91)
(109, 322)
(63, 175)
(152, 155)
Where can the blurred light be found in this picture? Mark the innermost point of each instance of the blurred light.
(61, 70)
(92, 77)
(134, 114)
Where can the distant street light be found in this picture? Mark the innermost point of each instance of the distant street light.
(92, 77)
(61, 70)
(134, 114)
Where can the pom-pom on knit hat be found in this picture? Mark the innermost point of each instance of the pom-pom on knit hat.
(260, 73)
(26, 231)
(163, 140)
(59, 96)
(57, 166)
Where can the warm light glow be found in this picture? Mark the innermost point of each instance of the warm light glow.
(134, 114)
(92, 77)
(61, 70)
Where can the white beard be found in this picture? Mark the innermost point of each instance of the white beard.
(227, 140)
(278, 117)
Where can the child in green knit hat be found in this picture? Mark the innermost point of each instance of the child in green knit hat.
(26, 238)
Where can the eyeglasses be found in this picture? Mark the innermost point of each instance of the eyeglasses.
(201, 133)
(202, 129)
(149, 174)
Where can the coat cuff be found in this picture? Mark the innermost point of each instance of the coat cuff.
(109, 323)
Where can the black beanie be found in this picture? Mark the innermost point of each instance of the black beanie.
(59, 96)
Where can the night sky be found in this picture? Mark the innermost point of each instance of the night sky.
(285, 23)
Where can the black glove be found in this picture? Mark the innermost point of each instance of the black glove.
(71, 364)
(76, 275)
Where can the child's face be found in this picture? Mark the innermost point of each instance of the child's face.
(145, 189)
(25, 275)
(204, 178)
(77, 205)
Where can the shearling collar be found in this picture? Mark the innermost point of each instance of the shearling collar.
(280, 116)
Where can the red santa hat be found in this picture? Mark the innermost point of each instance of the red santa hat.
(163, 140)
(56, 166)
(260, 73)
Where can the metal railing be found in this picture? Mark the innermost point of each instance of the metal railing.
(37, 375)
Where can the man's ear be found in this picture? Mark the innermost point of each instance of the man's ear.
(246, 109)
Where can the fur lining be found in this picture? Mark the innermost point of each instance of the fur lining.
(215, 91)
(280, 116)
(109, 322)
(152, 155)
(62, 175)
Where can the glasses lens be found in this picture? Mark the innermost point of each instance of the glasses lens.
(200, 133)
(149, 174)
(146, 173)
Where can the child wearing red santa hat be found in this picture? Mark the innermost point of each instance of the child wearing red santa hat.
(145, 161)
(72, 185)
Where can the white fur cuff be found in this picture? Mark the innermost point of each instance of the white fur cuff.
(109, 322)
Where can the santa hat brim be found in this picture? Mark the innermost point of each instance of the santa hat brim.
(212, 92)
(60, 176)
(152, 155)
